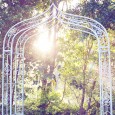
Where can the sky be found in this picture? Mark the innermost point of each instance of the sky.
(72, 4)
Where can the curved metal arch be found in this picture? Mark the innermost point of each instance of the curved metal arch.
(17, 26)
(63, 16)
(18, 32)
(28, 22)
(25, 34)
(82, 17)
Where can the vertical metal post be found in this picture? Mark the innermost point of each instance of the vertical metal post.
(15, 98)
(11, 65)
(23, 84)
(100, 75)
(110, 77)
(7, 88)
(3, 58)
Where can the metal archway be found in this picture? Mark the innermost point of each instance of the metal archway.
(13, 57)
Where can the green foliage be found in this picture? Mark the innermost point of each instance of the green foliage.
(102, 11)
(48, 103)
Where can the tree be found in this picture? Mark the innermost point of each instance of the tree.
(102, 11)
(76, 67)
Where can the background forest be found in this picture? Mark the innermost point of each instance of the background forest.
(67, 82)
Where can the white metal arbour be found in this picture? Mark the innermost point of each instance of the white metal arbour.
(13, 57)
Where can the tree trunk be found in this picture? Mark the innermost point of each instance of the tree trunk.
(92, 88)
(82, 111)
(83, 97)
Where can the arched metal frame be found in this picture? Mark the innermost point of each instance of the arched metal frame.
(13, 57)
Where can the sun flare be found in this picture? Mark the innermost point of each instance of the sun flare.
(43, 44)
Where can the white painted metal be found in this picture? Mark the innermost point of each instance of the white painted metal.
(13, 57)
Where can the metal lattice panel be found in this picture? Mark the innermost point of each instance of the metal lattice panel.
(13, 57)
